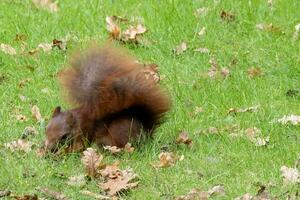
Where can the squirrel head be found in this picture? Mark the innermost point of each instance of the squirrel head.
(61, 131)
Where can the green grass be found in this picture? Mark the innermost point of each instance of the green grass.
(235, 163)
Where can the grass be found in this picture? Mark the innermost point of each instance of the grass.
(233, 162)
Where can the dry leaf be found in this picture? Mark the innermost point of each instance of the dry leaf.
(46, 47)
(202, 32)
(290, 175)
(151, 71)
(76, 180)
(6, 48)
(29, 130)
(217, 190)
(21, 118)
(128, 148)
(132, 32)
(194, 194)
(112, 27)
(26, 197)
(291, 119)
(92, 161)
(53, 194)
(225, 72)
(253, 134)
(93, 195)
(20, 37)
(23, 82)
(61, 44)
(182, 47)
(113, 149)
(197, 110)
(183, 138)
(201, 12)
(111, 171)
(227, 16)
(19, 145)
(120, 183)
(269, 28)
(36, 113)
(46, 4)
(243, 110)
(202, 50)
(166, 159)
(4, 193)
(254, 71)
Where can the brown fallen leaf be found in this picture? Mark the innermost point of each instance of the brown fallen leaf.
(26, 197)
(151, 72)
(254, 72)
(93, 195)
(49, 5)
(243, 110)
(214, 71)
(6, 48)
(246, 196)
(92, 161)
(269, 28)
(182, 47)
(19, 145)
(131, 34)
(111, 171)
(227, 16)
(291, 119)
(4, 193)
(254, 135)
(183, 138)
(112, 26)
(290, 175)
(120, 183)
(60, 44)
(20, 37)
(35, 111)
(217, 190)
(194, 194)
(29, 130)
(23, 82)
(76, 180)
(128, 148)
(166, 159)
(112, 149)
(53, 194)
(21, 118)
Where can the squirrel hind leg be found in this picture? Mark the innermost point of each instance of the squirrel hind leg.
(123, 130)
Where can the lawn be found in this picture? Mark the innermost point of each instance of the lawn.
(216, 157)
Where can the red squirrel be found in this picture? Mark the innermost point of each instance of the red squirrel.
(114, 101)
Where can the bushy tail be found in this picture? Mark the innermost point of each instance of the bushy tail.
(106, 81)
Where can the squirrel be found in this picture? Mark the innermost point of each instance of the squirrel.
(114, 101)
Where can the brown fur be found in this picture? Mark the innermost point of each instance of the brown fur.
(114, 100)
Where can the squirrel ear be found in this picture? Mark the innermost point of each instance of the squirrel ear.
(70, 120)
(56, 111)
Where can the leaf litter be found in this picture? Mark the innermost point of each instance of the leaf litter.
(198, 194)
(114, 179)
